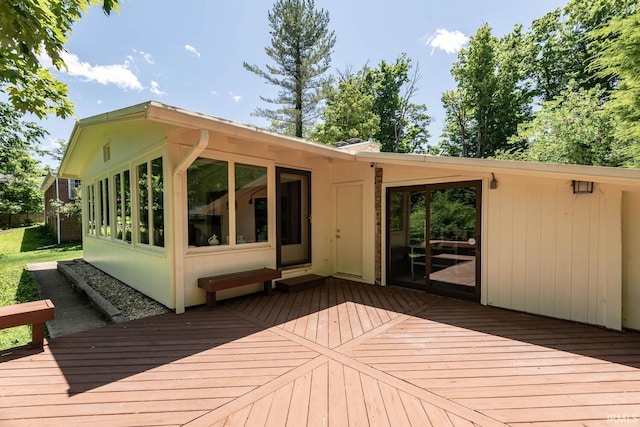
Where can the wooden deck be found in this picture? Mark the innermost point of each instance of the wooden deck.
(342, 354)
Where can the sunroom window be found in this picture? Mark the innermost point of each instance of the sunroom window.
(103, 203)
(208, 202)
(122, 184)
(217, 216)
(91, 210)
(252, 203)
(151, 203)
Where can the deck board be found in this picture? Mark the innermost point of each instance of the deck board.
(341, 354)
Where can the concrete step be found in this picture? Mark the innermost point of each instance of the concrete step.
(300, 283)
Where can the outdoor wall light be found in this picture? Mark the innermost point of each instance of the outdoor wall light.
(582, 187)
(493, 184)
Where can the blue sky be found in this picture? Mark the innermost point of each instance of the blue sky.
(189, 54)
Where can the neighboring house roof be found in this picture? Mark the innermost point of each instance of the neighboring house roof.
(161, 113)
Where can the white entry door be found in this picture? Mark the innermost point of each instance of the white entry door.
(349, 229)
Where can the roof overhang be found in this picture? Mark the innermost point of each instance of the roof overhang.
(48, 180)
(165, 114)
(189, 119)
(133, 113)
(620, 176)
(161, 113)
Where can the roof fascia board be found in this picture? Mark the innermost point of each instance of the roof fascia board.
(184, 118)
(621, 176)
(134, 112)
(48, 180)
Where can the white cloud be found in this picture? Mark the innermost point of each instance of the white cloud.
(116, 74)
(236, 98)
(214, 92)
(155, 88)
(145, 55)
(99, 102)
(192, 49)
(45, 60)
(449, 41)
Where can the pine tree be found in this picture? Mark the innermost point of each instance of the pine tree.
(301, 46)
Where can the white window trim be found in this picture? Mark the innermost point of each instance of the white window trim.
(72, 184)
(135, 207)
(232, 246)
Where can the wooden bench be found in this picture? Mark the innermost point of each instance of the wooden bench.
(33, 313)
(213, 284)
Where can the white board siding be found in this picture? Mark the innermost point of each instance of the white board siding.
(631, 260)
(210, 264)
(146, 271)
(548, 249)
(533, 239)
(128, 143)
(552, 252)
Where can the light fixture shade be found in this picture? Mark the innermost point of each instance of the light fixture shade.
(493, 184)
(582, 187)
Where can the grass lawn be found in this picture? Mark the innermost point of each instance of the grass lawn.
(19, 247)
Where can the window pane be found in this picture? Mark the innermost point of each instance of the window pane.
(126, 181)
(103, 208)
(99, 213)
(251, 215)
(396, 211)
(91, 218)
(294, 216)
(117, 186)
(417, 218)
(106, 209)
(208, 202)
(157, 188)
(143, 203)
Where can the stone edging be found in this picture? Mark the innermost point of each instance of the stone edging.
(98, 300)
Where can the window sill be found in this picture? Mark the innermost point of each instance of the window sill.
(217, 249)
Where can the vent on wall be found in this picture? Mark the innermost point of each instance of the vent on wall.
(106, 152)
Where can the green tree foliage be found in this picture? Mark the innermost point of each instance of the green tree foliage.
(301, 46)
(348, 113)
(72, 209)
(573, 128)
(376, 103)
(28, 29)
(458, 128)
(403, 125)
(19, 172)
(565, 41)
(551, 65)
(500, 81)
(621, 58)
(490, 100)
